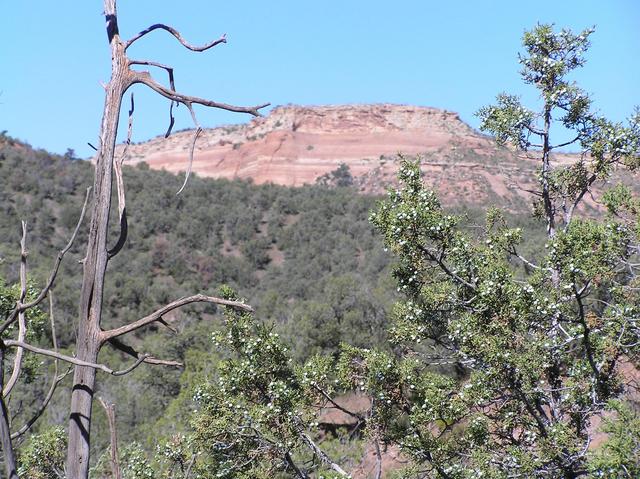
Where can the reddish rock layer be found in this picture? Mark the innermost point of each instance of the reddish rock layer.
(295, 145)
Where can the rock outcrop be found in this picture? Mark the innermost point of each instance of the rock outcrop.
(294, 145)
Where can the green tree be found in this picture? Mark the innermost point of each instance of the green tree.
(540, 354)
(340, 177)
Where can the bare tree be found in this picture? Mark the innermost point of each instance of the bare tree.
(90, 336)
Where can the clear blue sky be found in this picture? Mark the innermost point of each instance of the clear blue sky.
(451, 54)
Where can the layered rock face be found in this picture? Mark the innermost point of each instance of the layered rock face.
(294, 145)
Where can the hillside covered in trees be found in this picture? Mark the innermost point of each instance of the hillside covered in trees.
(307, 259)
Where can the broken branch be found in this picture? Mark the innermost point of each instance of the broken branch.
(110, 410)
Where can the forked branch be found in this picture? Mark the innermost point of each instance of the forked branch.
(187, 100)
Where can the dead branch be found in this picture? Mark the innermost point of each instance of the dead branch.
(23, 307)
(175, 97)
(289, 460)
(110, 410)
(188, 101)
(71, 359)
(57, 379)
(320, 454)
(125, 348)
(190, 166)
(169, 71)
(378, 473)
(122, 205)
(176, 34)
(54, 383)
(158, 65)
(22, 324)
(146, 79)
(196, 134)
(172, 119)
(10, 464)
(187, 473)
(168, 326)
(157, 315)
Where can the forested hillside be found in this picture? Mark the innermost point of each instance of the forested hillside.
(307, 259)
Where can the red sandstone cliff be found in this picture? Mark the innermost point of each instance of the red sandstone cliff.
(295, 145)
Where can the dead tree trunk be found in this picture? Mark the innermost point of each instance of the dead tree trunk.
(95, 263)
(90, 336)
(9, 458)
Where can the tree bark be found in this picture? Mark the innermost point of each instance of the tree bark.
(95, 262)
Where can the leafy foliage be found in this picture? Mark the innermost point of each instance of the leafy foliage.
(620, 454)
(44, 456)
(540, 358)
